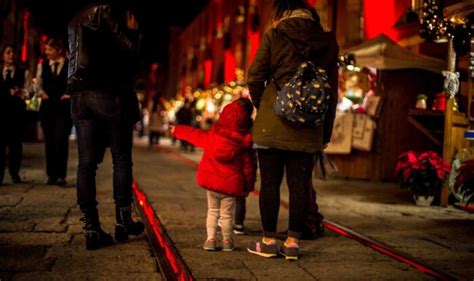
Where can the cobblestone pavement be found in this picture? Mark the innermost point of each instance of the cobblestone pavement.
(41, 239)
(441, 237)
(41, 236)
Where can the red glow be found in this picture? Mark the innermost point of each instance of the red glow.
(254, 38)
(311, 3)
(183, 84)
(24, 47)
(380, 16)
(468, 208)
(230, 65)
(171, 256)
(207, 65)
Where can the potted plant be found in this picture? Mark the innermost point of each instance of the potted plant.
(423, 173)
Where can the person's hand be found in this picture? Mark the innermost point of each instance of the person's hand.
(43, 95)
(172, 129)
(132, 23)
(65, 97)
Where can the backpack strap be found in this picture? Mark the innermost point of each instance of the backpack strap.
(300, 54)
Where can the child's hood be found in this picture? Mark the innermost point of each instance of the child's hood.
(228, 144)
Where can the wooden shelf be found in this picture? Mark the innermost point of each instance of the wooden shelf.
(425, 131)
(416, 118)
(426, 112)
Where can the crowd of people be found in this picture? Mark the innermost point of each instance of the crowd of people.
(92, 88)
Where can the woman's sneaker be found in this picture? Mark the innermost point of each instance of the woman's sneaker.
(239, 229)
(290, 251)
(263, 250)
(228, 245)
(209, 245)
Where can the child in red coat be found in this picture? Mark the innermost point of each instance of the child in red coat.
(227, 168)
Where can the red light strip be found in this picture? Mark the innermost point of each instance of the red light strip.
(371, 243)
(387, 250)
(468, 208)
(171, 263)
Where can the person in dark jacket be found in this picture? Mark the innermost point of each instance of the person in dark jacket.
(12, 113)
(283, 144)
(104, 42)
(227, 168)
(55, 111)
(185, 116)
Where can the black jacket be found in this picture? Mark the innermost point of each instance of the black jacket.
(104, 55)
(103, 52)
(276, 56)
(55, 88)
(11, 107)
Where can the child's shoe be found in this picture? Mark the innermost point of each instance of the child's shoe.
(228, 245)
(239, 229)
(290, 251)
(209, 245)
(263, 250)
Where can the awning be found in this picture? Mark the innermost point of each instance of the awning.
(382, 53)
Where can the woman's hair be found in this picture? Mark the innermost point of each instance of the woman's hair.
(281, 6)
(4, 48)
(56, 44)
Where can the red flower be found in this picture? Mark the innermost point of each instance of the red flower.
(411, 161)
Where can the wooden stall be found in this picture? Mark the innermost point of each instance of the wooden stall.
(400, 77)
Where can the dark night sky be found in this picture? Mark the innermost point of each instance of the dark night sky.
(155, 16)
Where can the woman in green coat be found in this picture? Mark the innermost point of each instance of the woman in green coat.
(282, 144)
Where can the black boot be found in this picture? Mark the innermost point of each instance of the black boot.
(95, 237)
(125, 225)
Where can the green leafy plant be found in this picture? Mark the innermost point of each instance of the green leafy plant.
(465, 181)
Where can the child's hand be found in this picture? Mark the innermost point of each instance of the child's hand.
(172, 128)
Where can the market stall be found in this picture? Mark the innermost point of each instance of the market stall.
(368, 139)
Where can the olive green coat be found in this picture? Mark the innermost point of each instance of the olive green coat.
(277, 56)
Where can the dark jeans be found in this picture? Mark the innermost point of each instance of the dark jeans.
(154, 138)
(299, 167)
(314, 216)
(13, 140)
(95, 114)
(57, 128)
(240, 210)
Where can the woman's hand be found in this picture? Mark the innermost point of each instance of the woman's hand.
(65, 97)
(43, 95)
(172, 129)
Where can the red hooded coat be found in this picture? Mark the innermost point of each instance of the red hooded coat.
(228, 164)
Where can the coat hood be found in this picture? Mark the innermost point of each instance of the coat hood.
(308, 36)
(233, 131)
(231, 143)
(235, 117)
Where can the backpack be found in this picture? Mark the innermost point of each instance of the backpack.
(305, 98)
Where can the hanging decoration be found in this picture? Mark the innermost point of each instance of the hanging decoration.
(451, 86)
